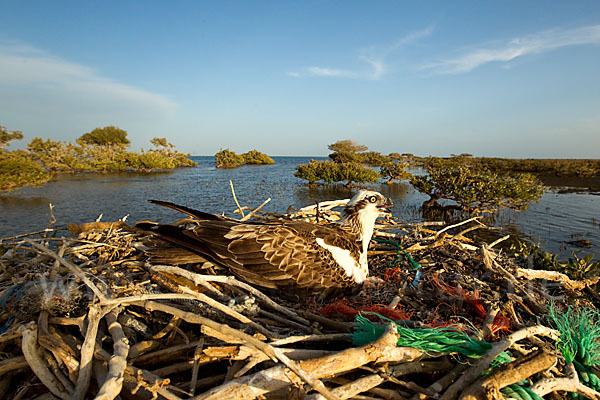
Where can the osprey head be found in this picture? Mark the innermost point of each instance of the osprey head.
(368, 204)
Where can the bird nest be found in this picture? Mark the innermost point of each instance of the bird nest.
(442, 316)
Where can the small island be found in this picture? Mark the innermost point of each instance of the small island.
(101, 150)
(226, 158)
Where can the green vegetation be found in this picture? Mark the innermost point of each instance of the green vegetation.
(531, 255)
(331, 172)
(226, 158)
(101, 150)
(463, 179)
(7, 136)
(475, 188)
(347, 146)
(255, 157)
(350, 164)
(107, 136)
(18, 168)
(395, 170)
(580, 168)
(557, 167)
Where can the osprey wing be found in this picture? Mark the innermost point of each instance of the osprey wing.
(285, 255)
(292, 254)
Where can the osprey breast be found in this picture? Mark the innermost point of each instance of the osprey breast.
(344, 259)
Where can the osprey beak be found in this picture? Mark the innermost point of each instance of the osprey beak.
(384, 209)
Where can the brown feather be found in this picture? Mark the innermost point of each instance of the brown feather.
(278, 255)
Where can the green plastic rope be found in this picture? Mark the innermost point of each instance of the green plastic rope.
(579, 331)
(398, 250)
(516, 391)
(430, 340)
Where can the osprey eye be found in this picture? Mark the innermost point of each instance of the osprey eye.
(373, 199)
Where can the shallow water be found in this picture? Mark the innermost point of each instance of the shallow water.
(555, 220)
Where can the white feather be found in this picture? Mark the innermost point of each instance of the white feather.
(353, 269)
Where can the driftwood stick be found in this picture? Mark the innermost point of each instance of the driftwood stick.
(556, 276)
(273, 352)
(438, 233)
(387, 394)
(163, 355)
(312, 338)
(484, 362)
(486, 329)
(61, 351)
(56, 371)
(285, 321)
(251, 213)
(13, 364)
(47, 230)
(118, 362)
(382, 350)
(420, 366)
(197, 355)
(33, 355)
(369, 382)
(323, 206)
(168, 328)
(353, 388)
(10, 335)
(198, 278)
(490, 263)
(72, 267)
(78, 322)
(241, 211)
(337, 325)
(570, 383)
(227, 311)
(76, 229)
(158, 384)
(443, 382)
(141, 348)
(495, 242)
(489, 386)
(87, 352)
(460, 235)
(146, 297)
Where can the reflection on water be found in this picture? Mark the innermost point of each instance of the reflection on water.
(15, 202)
(82, 197)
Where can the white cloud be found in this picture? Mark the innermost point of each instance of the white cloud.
(378, 67)
(330, 72)
(27, 69)
(374, 58)
(411, 38)
(532, 44)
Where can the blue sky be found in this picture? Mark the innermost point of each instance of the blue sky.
(507, 79)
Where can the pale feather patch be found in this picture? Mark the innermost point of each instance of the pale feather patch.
(346, 261)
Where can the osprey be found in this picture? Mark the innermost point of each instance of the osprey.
(284, 255)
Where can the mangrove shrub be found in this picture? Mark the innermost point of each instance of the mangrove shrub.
(395, 170)
(18, 168)
(347, 146)
(7, 136)
(103, 149)
(226, 158)
(255, 157)
(331, 172)
(477, 188)
(348, 164)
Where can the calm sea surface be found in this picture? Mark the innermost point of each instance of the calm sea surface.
(554, 221)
